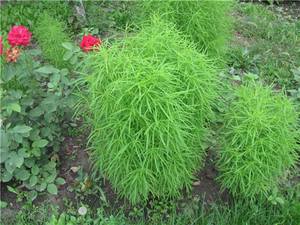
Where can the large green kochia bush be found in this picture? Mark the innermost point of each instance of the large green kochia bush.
(149, 97)
(50, 34)
(259, 141)
(207, 23)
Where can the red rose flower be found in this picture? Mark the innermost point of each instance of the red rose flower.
(89, 42)
(19, 35)
(1, 46)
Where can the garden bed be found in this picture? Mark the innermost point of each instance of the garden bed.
(263, 49)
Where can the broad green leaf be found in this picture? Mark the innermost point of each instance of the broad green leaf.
(41, 187)
(47, 70)
(35, 170)
(29, 163)
(10, 166)
(16, 159)
(23, 153)
(6, 176)
(14, 107)
(40, 143)
(33, 180)
(21, 129)
(11, 189)
(51, 178)
(60, 181)
(52, 189)
(22, 174)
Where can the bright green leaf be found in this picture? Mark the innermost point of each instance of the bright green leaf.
(52, 189)
(6, 176)
(33, 180)
(60, 181)
(40, 143)
(22, 174)
(21, 129)
(47, 70)
(35, 170)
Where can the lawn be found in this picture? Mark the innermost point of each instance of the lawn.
(147, 112)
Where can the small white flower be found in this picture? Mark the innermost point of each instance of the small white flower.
(82, 210)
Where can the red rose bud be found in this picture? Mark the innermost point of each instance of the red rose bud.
(19, 36)
(89, 43)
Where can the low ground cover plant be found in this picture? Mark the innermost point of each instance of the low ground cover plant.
(50, 34)
(206, 23)
(148, 104)
(259, 141)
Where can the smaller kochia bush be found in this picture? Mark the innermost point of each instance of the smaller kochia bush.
(50, 35)
(148, 99)
(259, 141)
(207, 23)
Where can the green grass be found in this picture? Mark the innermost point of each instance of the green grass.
(207, 23)
(259, 141)
(272, 40)
(27, 13)
(236, 212)
(149, 103)
(50, 34)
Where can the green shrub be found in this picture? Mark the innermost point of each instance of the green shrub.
(50, 35)
(259, 141)
(34, 101)
(207, 23)
(149, 97)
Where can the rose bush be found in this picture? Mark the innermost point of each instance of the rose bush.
(35, 100)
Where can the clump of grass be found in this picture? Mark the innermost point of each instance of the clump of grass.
(50, 35)
(259, 141)
(207, 23)
(149, 97)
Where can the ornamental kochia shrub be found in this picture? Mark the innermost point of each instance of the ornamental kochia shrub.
(259, 141)
(35, 99)
(149, 97)
(50, 35)
(207, 23)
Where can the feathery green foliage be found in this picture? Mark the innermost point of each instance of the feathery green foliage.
(207, 23)
(149, 97)
(50, 35)
(259, 141)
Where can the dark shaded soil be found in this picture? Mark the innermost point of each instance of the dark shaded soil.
(74, 157)
(207, 187)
